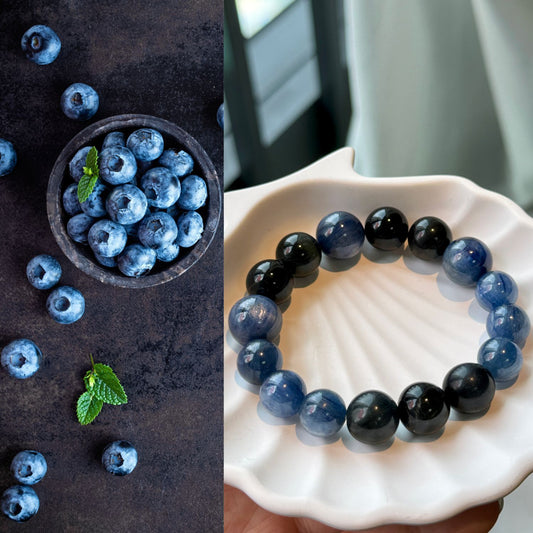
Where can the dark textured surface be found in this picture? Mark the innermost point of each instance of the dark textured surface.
(165, 342)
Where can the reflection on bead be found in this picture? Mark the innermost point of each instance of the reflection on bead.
(386, 228)
(254, 317)
(340, 235)
(270, 278)
(503, 359)
(466, 260)
(282, 393)
(300, 252)
(322, 413)
(496, 288)
(257, 360)
(428, 238)
(372, 417)
(509, 321)
(469, 388)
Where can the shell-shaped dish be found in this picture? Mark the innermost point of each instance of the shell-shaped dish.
(384, 322)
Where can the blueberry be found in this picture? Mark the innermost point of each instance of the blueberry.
(43, 271)
(19, 503)
(71, 204)
(119, 458)
(28, 467)
(8, 157)
(109, 262)
(79, 101)
(41, 44)
(190, 229)
(169, 252)
(161, 187)
(157, 230)
(179, 162)
(114, 138)
(136, 260)
(126, 204)
(94, 206)
(21, 358)
(107, 238)
(146, 144)
(220, 116)
(193, 193)
(117, 165)
(78, 162)
(78, 227)
(65, 305)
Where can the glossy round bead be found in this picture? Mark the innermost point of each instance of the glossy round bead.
(372, 417)
(509, 321)
(386, 228)
(496, 288)
(270, 278)
(282, 393)
(428, 238)
(340, 235)
(300, 252)
(322, 413)
(257, 360)
(254, 317)
(466, 260)
(469, 388)
(502, 358)
(423, 408)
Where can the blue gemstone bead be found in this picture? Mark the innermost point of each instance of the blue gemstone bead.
(466, 260)
(254, 317)
(282, 393)
(509, 321)
(323, 413)
(340, 235)
(496, 288)
(503, 359)
(257, 360)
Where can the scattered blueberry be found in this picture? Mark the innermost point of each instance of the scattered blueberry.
(79, 101)
(117, 165)
(94, 206)
(28, 467)
(136, 260)
(19, 503)
(161, 187)
(43, 271)
(78, 227)
(107, 238)
(193, 193)
(179, 162)
(157, 230)
(71, 204)
(41, 44)
(65, 305)
(115, 138)
(21, 358)
(190, 229)
(119, 458)
(8, 157)
(220, 116)
(78, 162)
(146, 144)
(126, 204)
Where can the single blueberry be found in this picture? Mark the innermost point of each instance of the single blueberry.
(503, 359)
(28, 467)
(117, 165)
(78, 227)
(161, 187)
(193, 193)
(79, 101)
(43, 271)
(119, 458)
(146, 144)
(496, 288)
(157, 230)
(19, 503)
(107, 238)
(323, 413)
(65, 305)
(509, 321)
(257, 360)
(109, 262)
(126, 204)
(94, 206)
(114, 138)
(21, 358)
(190, 229)
(78, 162)
(220, 115)
(282, 393)
(8, 157)
(340, 235)
(465, 260)
(71, 203)
(179, 162)
(169, 252)
(41, 44)
(136, 260)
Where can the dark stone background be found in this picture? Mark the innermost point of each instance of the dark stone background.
(163, 58)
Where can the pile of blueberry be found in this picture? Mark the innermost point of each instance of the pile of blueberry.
(144, 206)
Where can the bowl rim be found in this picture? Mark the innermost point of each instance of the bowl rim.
(55, 190)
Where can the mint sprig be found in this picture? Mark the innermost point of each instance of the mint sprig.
(90, 175)
(102, 386)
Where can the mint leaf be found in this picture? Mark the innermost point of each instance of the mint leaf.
(88, 407)
(89, 381)
(90, 175)
(107, 387)
(91, 161)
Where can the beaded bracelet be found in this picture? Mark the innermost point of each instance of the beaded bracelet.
(372, 416)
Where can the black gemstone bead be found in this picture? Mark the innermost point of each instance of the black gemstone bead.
(300, 252)
(386, 228)
(270, 278)
(372, 417)
(469, 388)
(428, 238)
(423, 408)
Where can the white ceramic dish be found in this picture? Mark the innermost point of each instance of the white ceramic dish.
(385, 322)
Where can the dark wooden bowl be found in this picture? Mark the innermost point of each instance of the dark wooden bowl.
(82, 255)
